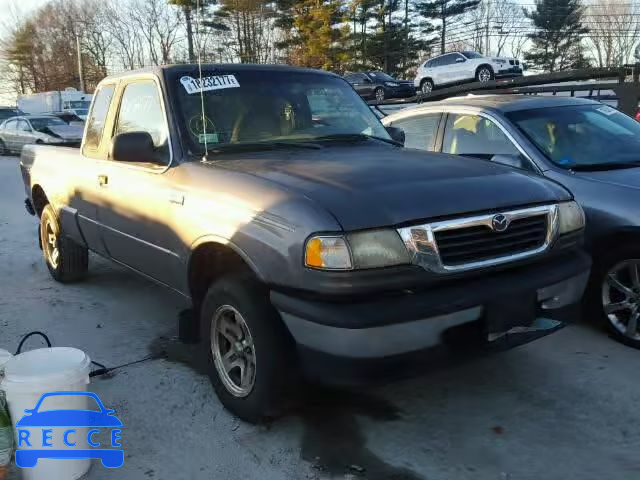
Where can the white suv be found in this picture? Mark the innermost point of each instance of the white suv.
(463, 66)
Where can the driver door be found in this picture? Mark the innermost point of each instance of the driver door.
(139, 200)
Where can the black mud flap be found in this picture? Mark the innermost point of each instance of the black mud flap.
(514, 321)
(520, 335)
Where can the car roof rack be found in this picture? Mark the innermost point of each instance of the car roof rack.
(623, 81)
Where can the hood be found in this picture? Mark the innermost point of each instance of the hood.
(66, 132)
(370, 185)
(624, 177)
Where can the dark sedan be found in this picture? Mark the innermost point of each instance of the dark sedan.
(590, 148)
(379, 86)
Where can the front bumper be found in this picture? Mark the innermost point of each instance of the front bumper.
(388, 328)
(404, 91)
(509, 72)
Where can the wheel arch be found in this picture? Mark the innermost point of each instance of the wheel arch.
(39, 199)
(484, 65)
(209, 259)
(613, 239)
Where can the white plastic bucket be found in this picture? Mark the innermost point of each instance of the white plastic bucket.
(33, 373)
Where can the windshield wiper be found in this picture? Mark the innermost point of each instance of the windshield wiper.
(355, 137)
(594, 167)
(261, 146)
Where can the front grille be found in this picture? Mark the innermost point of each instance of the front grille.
(479, 242)
(512, 62)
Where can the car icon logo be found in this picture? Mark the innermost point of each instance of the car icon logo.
(499, 223)
(38, 430)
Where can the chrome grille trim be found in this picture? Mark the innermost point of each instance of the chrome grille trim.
(423, 248)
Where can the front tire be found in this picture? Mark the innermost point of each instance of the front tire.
(426, 87)
(247, 348)
(615, 294)
(3, 149)
(484, 74)
(66, 260)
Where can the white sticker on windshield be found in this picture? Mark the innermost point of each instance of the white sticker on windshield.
(607, 110)
(205, 84)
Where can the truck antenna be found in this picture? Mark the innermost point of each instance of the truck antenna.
(204, 117)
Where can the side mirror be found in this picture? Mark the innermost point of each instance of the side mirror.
(459, 60)
(396, 134)
(133, 147)
(509, 160)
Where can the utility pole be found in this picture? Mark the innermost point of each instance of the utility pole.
(80, 69)
(487, 47)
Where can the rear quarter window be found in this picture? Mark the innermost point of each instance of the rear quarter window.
(98, 117)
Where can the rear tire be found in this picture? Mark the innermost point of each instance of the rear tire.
(3, 149)
(66, 260)
(250, 357)
(426, 87)
(379, 94)
(613, 297)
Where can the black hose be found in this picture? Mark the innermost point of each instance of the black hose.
(24, 339)
(101, 370)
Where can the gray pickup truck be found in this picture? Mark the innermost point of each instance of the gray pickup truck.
(310, 242)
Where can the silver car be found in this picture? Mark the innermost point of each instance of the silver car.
(17, 132)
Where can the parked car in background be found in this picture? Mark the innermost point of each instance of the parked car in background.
(307, 239)
(590, 148)
(380, 86)
(69, 118)
(457, 67)
(17, 132)
(8, 112)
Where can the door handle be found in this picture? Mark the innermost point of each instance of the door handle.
(103, 180)
(176, 197)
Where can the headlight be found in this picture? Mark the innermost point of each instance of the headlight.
(360, 250)
(377, 248)
(570, 217)
(391, 84)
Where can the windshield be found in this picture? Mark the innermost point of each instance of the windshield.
(247, 107)
(382, 76)
(581, 135)
(41, 123)
(472, 55)
(81, 111)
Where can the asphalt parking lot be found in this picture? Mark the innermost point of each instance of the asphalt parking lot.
(561, 408)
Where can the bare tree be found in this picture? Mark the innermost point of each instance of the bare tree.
(507, 21)
(614, 28)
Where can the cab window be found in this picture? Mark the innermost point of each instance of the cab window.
(475, 136)
(141, 111)
(420, 131)
(97, 118)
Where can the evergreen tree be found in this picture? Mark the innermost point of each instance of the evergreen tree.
(315, 33)
(556, 41)
(444, 10)
(189, 8)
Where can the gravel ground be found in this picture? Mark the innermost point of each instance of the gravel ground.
(563, 407)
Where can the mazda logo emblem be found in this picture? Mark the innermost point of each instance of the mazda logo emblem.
(499, 223)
